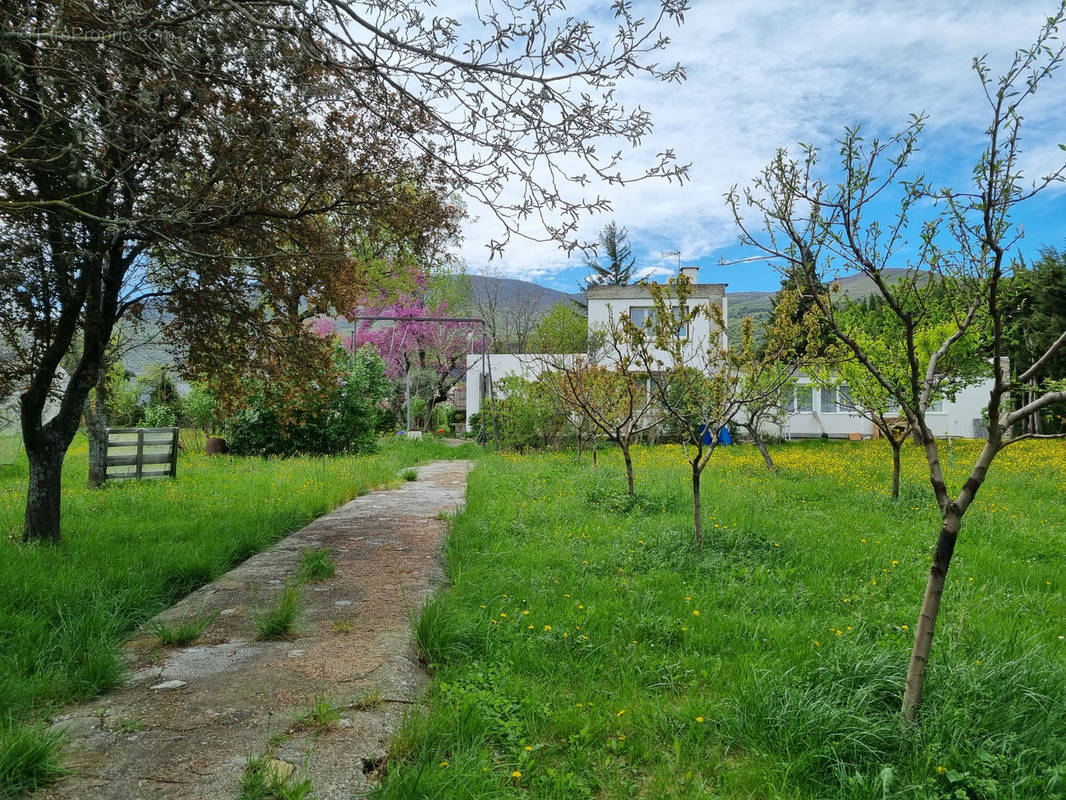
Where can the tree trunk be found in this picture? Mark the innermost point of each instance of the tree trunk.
(42, 496)
(896, 447)
(629, 467)
(923, 634)
(762, 449)
(96, 427)
(595, 453)
(697, 516)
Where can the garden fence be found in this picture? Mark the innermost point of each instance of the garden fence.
(142, 453)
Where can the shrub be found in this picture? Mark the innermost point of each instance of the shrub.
(201, 409)
(343, 420)
(525, 417)
(123, 403)
(159, 416)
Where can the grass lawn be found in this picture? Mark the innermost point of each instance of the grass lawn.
(132, 549)
(585, 648)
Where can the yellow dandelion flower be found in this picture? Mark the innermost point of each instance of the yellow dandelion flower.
(516, 774)
(699, 719)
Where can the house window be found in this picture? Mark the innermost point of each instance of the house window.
(829, 400)
(642, 316)
(804, 399)
(844, 401)
(682, 327)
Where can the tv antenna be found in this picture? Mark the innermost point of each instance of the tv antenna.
(677, 253)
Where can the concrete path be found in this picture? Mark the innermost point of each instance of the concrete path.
(189, 718)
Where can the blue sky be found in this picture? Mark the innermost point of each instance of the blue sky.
(764, 74)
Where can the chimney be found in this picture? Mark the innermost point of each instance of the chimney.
(692, 273)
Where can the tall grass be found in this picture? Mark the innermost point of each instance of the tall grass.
(131, 549)
(587, 649)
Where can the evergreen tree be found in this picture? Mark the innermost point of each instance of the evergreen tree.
(616, 268)
(1036, 303)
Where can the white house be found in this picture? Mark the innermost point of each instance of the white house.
(813, 411)
(606, 304)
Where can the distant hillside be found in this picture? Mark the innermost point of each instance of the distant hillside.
(511, 294)
(512, 291)
(757, 305)
(519, 302)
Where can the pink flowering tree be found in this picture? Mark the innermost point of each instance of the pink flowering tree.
(429, 351)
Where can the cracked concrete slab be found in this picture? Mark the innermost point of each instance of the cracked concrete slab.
(228, 697)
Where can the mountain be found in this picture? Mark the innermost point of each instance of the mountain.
(512, 291)
(514, 297)
(519, 303)
(758, 305)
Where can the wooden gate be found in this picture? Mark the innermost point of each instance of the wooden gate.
(142, 453)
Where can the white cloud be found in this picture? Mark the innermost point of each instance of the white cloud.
(767, 74)
(655, 272)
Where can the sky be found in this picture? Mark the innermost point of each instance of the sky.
(765, 74)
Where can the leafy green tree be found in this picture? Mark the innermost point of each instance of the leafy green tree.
(614, 263)
(201, 409)
(525, 415)
(344, 420)
(244, 167)
(1036, 299)
(562, 329)
(879, 332)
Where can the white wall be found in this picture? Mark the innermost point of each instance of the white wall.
(955, 418)
(607, 304)
(499, 365)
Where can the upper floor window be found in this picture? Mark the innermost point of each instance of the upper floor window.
(644, 317)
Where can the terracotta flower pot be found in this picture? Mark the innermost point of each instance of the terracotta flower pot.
(215, 446)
